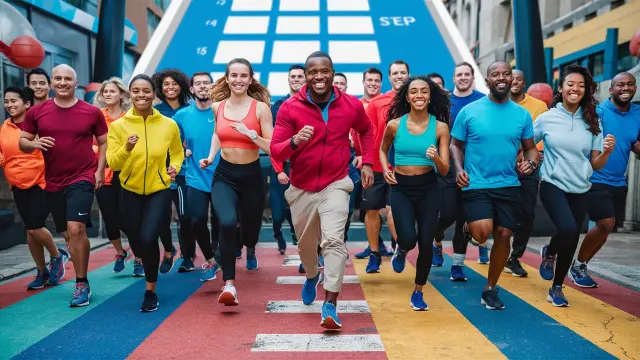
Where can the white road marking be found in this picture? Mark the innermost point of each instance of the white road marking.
(317, 342)
(297, 307)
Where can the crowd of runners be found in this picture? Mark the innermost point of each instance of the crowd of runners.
(418, 155)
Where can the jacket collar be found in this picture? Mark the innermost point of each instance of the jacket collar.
(131, 116)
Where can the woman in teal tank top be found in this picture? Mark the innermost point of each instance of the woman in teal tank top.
(420, 135)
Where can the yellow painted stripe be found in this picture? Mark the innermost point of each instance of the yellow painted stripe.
(610, 328)
(441, 332)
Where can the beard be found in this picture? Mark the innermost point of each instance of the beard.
(202, 99)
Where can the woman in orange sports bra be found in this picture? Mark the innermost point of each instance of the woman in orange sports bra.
(243, 127)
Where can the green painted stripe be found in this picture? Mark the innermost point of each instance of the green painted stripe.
(31, 320)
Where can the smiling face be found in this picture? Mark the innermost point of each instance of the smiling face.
(499, 79)
(111, 94)
(372, 83)
(518, 84)
(141, 95)
(623, 88)
(463, 78)
(319, 75)
(419, 95)
(40, 86)
(239, 78)
(340, 82)
(201, 87)
(398, 74)
(296, 80)
(14, 105)
(170, 88)
(573, 89)
(64, 82)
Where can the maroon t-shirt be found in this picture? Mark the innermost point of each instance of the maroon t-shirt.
(71, 159)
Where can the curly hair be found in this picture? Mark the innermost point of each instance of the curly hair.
(221, 89)
(439, 103)
(125, 100)
(588, 102)
(181, 78)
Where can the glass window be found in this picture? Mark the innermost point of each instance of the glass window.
(152, 22)
(625, 60)
(12, 75)
(162, 4)
(597, 64)
(20, 8)
(89, 6)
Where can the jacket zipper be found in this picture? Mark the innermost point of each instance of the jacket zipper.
(146, 159)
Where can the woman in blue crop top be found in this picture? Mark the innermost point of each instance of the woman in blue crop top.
(420, 134)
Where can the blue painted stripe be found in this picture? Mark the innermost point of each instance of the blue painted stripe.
(118, 322)
(520, 331)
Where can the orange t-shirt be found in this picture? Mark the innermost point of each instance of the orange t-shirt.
(22, 170)
(108, 173)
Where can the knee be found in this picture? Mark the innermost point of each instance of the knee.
(567, 231)
(606, 225)
(32, 233)
(407, 242)
(76, 229)
(480, 232)
(228, 224)
(502, 235)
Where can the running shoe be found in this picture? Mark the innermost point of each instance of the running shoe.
(301, 269)
(66, 251)
(580, 276)
(483, 258)
(167, 262)
(66, 256)
(282, 245)
(310, 290)
(186, 265)
(81, 295)
(547, 264)
(228, 296)
(457, 273)
(515, 268)
(556, 297)
(150, 302)
(399, 260)
(438, 259)
(138, 269)
(40, 280)
(120, 262)
(252, 260)
(320, 262)
(417, 302)
(364, 254)
(384, 251)
(491, 300)
(374, 264)
(330, 320)
(56, 270)
(466, 233)
(209, 271)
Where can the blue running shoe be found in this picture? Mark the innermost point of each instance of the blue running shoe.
(384, 251)
(40, 281)
(150, 302)
(138, 269)
(457, 273)
(438, 259)
(309, 290)
(580, 276)
(556, 297)
(364, 254)
(56, 270)
(399, 260)
(374, 264)
(81, 295)
(484, 255)
(491, 300)
(120, 262)
(320, 262)
(330, 320)
(417, 302)
(186, 265)
(65, 255)
(252, 260)
(209, 271)
(547, 264)
(239, 254)
(282, 245)
(167, 262)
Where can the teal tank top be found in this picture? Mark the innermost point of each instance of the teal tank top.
(411, 149)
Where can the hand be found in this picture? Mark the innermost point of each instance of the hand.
(351, 144)
(462, 179)
(520, 156)
(524, 168)
(541, 157)
(131, 142)
(390, 177)
(171, 171)
(609, 143)
(44, 143)
(432, 152)
(357, 162)
(283, 178)
(304, 135)
(99, 179)
(187, 153)
(205, 162)
(367, 176)
(240, 127)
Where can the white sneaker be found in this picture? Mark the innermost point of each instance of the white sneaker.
(228, 297)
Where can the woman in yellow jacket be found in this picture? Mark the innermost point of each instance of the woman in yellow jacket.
(138, 144)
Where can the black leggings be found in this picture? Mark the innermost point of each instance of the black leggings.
(567, 211)
(108, 197)
(143, 213)
(416, 199)
(185, 231)
(198, 205)
(451, 210)
(238, 195)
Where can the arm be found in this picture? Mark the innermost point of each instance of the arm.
(372, 113)
(102, 152)
(457, 154)
(441, 158)
(176, 151)
(600, 150)
(389, 134)
(26, 142)
(1, 155)
(280, 147)
(266, 128)
(117, 153)
(366, 135)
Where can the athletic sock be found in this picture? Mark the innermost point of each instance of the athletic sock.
(577, 263)
(458, 259)
(376, 253)
(82, 280)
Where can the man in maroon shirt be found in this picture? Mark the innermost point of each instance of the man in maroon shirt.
(65, 127)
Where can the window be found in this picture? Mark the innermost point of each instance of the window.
(597, 64)
(152, 23)
(89, 6)
(617, 3)
(162, 4)
(625, 60)
(567, 26)
(590, 16)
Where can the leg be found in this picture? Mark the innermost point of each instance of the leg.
(522, 233)
(304, 213)
(405, 216)
(108, 203)
(479, 209)
(251, 207)
(226, 205)
(154, 211)
(373, 200)
(165, 231)
(427, 218)
(276, 201)
(186, 229)
(79, 199)
(198, 205)
(601, 208)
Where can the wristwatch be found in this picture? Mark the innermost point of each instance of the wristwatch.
(292, 143)
(253, 135)
(534, 166)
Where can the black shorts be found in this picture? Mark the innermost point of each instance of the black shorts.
(32, 206)
(606, 201)
(503, 205)
(71, 204)
(376, 197)
(529, 194)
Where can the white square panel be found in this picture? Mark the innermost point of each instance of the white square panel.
(299, 5)
(298, 25)
(246, 25)
(348, 5)
(354, 52)
(218, 75)
(350, 25)
(250, 50)
(354, 83)
(292, 52)
(251, 5)
(279, 83)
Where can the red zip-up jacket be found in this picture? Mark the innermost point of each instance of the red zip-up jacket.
(325, 158)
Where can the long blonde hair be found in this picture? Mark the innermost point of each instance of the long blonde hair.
(125, 100)
(221, 91)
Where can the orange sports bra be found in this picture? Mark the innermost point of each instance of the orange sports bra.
(230, 138)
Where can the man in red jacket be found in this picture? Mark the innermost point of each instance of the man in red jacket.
(312, 130)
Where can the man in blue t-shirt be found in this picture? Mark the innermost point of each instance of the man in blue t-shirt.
(608, 192)
(486, 137)
(197, 123)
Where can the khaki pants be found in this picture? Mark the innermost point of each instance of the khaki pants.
(319, 218)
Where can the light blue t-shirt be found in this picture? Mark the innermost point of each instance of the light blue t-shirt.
(196, 129)
(567, 149)
(492, 134)
(625, 127)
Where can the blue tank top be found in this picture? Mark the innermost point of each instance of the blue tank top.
(411, 149)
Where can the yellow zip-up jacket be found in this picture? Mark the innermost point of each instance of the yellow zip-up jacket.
(143, 170)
